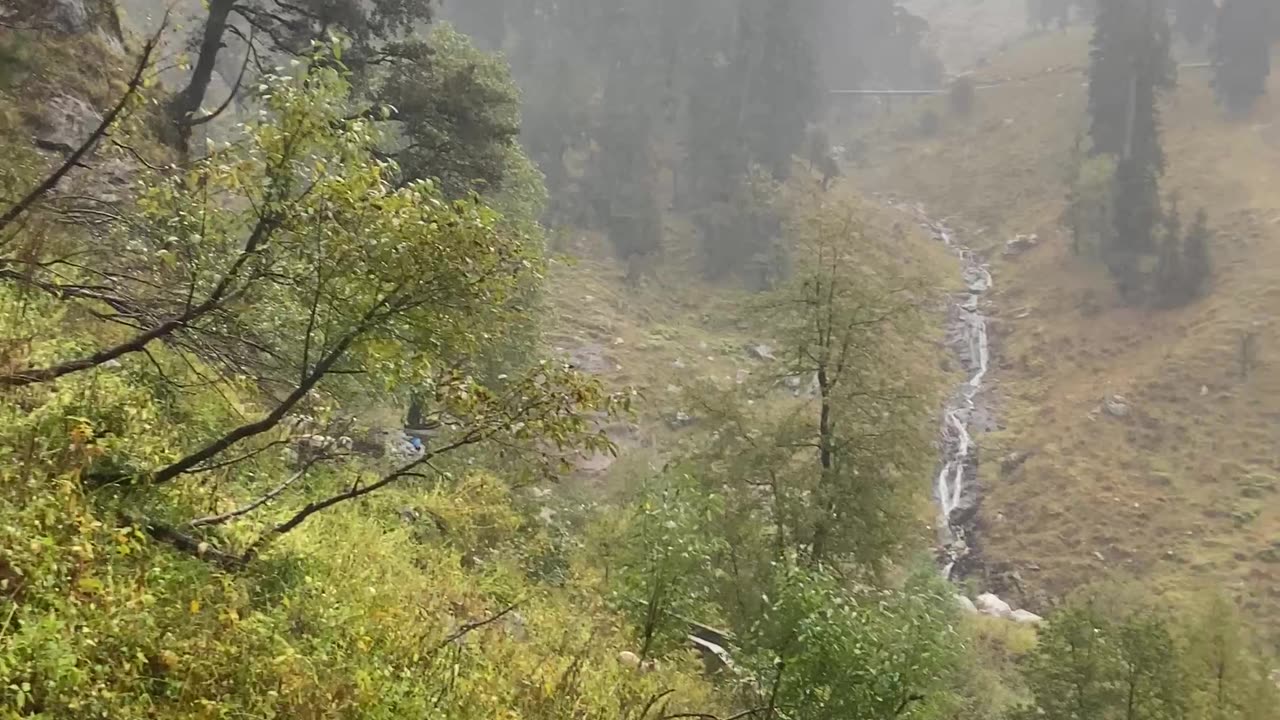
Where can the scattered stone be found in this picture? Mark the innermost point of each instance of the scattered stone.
(990, 604)
(618, 341)
(1099, 556)
(1020, 244)
(966, 605)
(1204, 390)
(760, 351)
(742, 376)
(1116, 406)
(673, 388)
(678, 364)
(1026, 617)
(629, 659)
(792, 382)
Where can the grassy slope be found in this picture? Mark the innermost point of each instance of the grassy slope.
(676, 329)
(1164, 495)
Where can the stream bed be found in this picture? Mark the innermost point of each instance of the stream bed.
(955, 488)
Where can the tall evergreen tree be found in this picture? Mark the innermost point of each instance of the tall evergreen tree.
(1242, 52)
(1195, 255)
(1130, 68)
(1192, 19)
(1170, 274)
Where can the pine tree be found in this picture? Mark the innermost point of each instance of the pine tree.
(1170, 273)
(1129, 68)
(1192, 18)
(1242, 53)
(1197, 265)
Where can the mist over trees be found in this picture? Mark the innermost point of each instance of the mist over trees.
(633, 107)
(212, 503)
(1242, 52)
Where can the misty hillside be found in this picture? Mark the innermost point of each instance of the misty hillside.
(639, 359)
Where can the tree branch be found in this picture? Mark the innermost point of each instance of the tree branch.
(473, 626)
(72, 160)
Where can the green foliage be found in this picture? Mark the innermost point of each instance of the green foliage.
(458, 114)
(822, 651)
(665, 566)
(1105, 656)
(1090, 205)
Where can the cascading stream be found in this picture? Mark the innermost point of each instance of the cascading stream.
(955, 487)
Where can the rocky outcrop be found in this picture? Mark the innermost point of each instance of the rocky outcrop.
(65, 122)
(69, 16)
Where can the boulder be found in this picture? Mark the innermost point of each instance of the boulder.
(761, 351)
(629, 659)
(1020, 244)
(1011, 462)
(990, 604)
(1116, 406)
(1025, 617)
(966, 605)
(65, 123)
(69, 16)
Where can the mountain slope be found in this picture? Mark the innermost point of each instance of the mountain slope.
(1182, 491)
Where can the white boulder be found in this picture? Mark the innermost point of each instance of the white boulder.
(1026, 617)
(991, 604)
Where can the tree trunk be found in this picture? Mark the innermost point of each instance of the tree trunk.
(187, 102)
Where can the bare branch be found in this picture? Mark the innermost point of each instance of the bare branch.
(473, 626)
(72, 160)
(245, 510)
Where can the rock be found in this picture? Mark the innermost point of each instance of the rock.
(678, 364)
(760, 351)
(629, 659)
(65, 123)
(680, 420)
(1014, 460)
(1020, 244)
(792, 382)
(742, 376)
(1025, 617)
(990, 604)
(966, 605)
(1099, 556)
(1116, 406)
(69, 16)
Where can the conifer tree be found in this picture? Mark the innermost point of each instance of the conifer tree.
(1129, 68)
(1192, 19)
(1242, 52)
(1195, 255)
(1170, 272)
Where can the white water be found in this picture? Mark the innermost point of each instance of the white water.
(972, 344)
